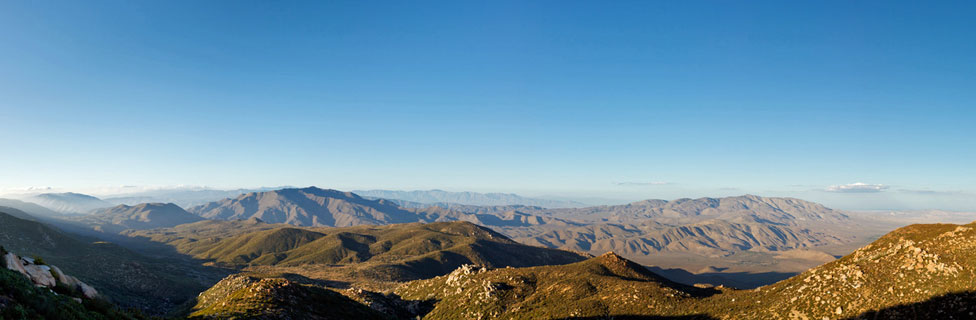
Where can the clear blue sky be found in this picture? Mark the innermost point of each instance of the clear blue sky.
(619, 100)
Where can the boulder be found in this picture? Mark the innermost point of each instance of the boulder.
(69, 281)
(87, 290)
(12, 262)
(40, 275)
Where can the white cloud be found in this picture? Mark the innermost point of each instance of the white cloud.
(639, 184)
(857, 187)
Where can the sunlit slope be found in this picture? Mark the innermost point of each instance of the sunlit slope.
(401, 251)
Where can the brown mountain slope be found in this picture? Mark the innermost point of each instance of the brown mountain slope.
(908, 266)
(710, 238)
(745, 234)
(787, 211)
(390, 253)
(321, 207)
(307, 207)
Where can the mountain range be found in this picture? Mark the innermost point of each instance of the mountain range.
(456, 269)
(69, 202)
(750, 234)
(441, 197)
(767, 239)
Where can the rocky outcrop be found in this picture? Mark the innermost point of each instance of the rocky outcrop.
(40, 275)
(46, 276)
(12, 262)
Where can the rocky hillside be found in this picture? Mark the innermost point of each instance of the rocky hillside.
(46, 276)
(21, 298)
(244, 297)
(931, 268)
(604, 286)
(916, 272)
(120, 275)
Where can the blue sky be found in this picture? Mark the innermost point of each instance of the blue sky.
(621, 100)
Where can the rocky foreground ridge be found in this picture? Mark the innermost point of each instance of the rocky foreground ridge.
(915, 272)
(46, 276)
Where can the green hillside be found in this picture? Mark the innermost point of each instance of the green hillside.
(389, 253)
(244, 297)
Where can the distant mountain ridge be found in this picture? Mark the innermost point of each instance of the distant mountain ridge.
(441, 197)
(30, 208)
(788, 211)
(307, 207)
(183, 197)
(69, 202)
(141, 216)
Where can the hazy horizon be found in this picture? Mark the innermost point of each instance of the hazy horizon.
(878, 202)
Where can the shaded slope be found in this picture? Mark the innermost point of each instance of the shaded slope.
(20, 299)
(141, 216)
(30, 208)
(125, 277)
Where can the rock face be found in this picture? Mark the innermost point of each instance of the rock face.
(46, 276)
(12, 262)
(40, 275)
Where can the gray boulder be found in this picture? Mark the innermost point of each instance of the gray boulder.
(12, 262)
